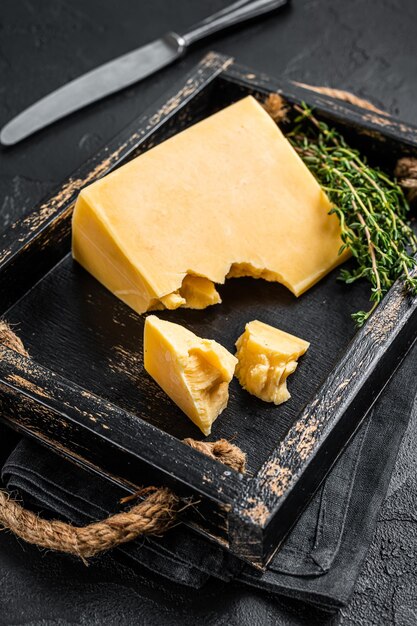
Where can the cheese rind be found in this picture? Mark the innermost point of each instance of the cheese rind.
(194, 372)
(266, 357)
(226, 197)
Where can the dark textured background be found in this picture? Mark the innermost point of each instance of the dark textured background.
(367, 46)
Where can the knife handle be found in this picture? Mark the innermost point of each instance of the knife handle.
(236, 13)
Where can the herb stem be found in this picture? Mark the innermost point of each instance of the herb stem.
(371, 251)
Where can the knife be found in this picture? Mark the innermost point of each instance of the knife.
(127, 70)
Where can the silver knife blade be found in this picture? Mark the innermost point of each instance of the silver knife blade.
(94, 85)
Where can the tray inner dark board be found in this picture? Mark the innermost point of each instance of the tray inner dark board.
(75, 327)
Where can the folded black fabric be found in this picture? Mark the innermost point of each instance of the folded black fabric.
(320, 560)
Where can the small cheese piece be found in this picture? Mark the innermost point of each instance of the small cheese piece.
(194, 372)
(266, 357)
(226, 197)
(199, 292)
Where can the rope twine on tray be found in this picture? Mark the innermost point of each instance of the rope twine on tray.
(159, 509)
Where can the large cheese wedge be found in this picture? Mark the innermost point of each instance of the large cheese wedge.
(226, 197)
(266, 357)
(194, 372)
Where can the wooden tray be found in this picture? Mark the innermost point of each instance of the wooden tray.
(85, 394)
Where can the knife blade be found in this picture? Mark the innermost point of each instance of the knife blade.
(126, 70)
(92, 86)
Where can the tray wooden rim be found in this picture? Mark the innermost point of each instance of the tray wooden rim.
(247, 512)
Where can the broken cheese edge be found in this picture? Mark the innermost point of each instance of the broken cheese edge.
(226, 197)
(266, 357)
(194, 372)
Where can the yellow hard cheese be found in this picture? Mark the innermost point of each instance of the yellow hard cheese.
(194, 372)
(266, 357)
(226, 197)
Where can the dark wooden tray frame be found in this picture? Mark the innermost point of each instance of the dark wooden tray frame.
(250, 516)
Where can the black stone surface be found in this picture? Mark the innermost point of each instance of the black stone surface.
(367, 47)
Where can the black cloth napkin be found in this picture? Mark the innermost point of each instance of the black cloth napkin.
(321, 558)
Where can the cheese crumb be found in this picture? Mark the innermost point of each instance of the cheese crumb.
(266, 357)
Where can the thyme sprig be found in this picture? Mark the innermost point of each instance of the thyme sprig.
(371, 208)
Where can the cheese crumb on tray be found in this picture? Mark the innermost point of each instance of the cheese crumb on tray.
(194, 372)
(266, 357)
